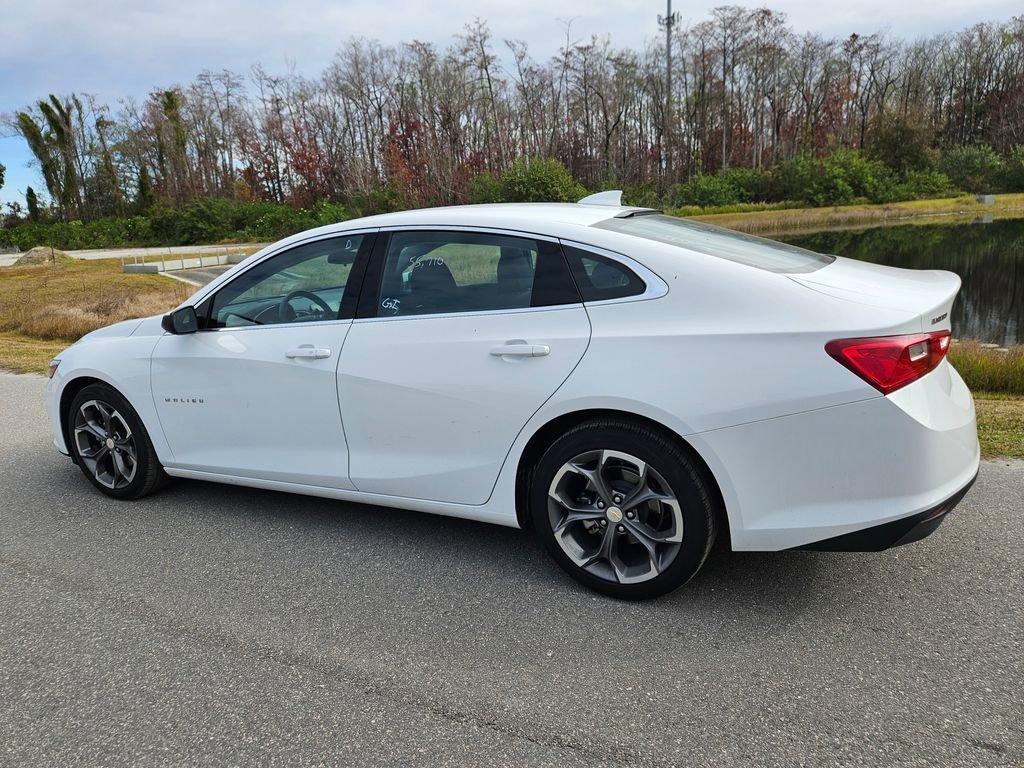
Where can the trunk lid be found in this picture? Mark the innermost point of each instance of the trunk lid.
(926, 293)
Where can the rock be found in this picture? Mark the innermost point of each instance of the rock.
(42, 254)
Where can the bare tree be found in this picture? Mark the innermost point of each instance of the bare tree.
(415, 123)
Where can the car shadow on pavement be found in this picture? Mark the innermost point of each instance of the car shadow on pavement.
(781, 583)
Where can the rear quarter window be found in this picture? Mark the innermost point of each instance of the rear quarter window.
(715, 241)
(600, 278)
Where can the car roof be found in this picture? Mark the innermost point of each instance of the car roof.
(533, 217)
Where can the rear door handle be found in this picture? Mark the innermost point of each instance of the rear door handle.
(521, 350)
(308, 351)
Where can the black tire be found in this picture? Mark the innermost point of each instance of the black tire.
(671, 464)
(148, 474)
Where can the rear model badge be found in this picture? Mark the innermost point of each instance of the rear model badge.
(940, 318)
(184, 400)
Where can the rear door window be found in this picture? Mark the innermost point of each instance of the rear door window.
(439, 272)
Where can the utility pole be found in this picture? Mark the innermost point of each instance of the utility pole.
(668, 21)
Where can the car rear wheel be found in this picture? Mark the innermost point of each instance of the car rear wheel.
(623, 509)
(110, 444)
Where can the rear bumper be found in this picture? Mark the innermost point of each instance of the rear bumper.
(893, 534)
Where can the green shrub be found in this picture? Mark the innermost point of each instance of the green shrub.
(326, 212)
(645, 195)
(831, 187)
(202, 221)
(1013, 172)
(793, 179)
(484, 188)
(383, 199)
(732, 186)
(847, 175)
(884, 188)
(842, 178)
(900, 145)
(267, 221)
(753, 185)
(919, 185)
(539, 181)
(973, 169)
(706, 191)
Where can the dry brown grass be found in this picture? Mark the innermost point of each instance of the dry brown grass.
(989, 370)
(1000, 425)
(955, 209)
(64, 301)
(24, 354)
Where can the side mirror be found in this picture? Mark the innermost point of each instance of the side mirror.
(183, 320)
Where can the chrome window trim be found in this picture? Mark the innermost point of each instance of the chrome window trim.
(655, 287)
(462, 228)
(475, 313)
(266, 326)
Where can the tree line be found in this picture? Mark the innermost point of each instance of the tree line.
(415, 124)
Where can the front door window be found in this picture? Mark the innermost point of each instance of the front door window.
(303, 284)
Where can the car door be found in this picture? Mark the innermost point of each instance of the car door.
(461, 337)
(254, 392)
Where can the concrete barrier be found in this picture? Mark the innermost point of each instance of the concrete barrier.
(150, 269)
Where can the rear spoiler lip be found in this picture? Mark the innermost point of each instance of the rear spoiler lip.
(931, 309)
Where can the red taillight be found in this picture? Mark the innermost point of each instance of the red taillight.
(890, 362)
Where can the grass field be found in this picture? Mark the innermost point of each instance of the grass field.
(24, 354)
(1000, 425)
(989, 370)
(43, 308)
(774, 220)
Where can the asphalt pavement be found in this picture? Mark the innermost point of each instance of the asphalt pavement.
(214, 625)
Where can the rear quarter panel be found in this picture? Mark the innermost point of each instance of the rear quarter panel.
(729, 344)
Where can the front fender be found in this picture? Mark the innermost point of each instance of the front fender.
(121, 362)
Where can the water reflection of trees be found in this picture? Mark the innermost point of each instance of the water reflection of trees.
(988, 257)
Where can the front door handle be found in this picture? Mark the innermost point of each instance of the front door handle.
(521, 350)
(308, 351)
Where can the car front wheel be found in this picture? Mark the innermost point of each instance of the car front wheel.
(110, 444)
(623, 509)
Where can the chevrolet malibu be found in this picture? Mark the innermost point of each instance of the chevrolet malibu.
(629, 385)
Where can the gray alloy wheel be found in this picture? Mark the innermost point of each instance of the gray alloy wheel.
(615, 516)
(105, 444)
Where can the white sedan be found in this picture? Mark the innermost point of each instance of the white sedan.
(627, 384)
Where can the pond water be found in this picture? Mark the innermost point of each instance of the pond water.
(988, 257)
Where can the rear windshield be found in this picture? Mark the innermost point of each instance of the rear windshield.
(715, 241)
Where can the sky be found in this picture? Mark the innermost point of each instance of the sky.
(117, 48)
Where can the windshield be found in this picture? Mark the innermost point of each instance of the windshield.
(715, 241)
